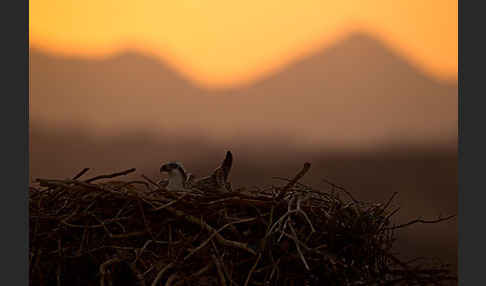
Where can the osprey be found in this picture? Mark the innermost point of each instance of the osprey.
(179, 179)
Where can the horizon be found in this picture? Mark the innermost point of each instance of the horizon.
(365, 88)
(165, 62)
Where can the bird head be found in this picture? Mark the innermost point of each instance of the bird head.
(169, 167)
(174, 167)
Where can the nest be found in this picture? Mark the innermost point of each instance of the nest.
(102, 231)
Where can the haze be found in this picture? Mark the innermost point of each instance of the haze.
(355, 94)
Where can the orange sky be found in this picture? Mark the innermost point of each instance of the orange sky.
(222, 42)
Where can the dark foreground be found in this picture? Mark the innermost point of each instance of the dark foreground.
(83, 232)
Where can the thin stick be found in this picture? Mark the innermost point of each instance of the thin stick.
(214, 234)
(299, 209)
(145, 222)
(59, 246)
(169, 203)
(274, 268)
(297, 177)
(420, 221)
(389, 201)
(209, 228)
(252, 269)
(161, 272)
(297, 245)
(332, 184)
(202, 270)
(171, 279)
(126, 172)
(103, 268)
(150, 181)
(139, 253)
(81, 173)
(342, 189)
(216, 261)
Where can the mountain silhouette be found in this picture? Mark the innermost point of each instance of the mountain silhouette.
(358, 60)
(354, 92)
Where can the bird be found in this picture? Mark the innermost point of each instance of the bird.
(177, 176)
(180, 179)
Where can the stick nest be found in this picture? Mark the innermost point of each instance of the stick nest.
(105, 232)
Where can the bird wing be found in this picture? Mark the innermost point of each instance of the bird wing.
(163, 183)
(226, 165)
(218, 179)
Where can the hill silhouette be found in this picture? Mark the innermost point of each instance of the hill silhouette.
(358, 90)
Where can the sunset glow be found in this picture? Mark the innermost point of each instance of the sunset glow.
(219, 43)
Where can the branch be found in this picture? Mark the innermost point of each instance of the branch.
(420, 221)
(252, 269)
(297, 177)
(111, 175)
(220, 270)
(209, 228)
(81, 173)
(161, 272)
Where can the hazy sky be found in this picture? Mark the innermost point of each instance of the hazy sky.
(221, 42)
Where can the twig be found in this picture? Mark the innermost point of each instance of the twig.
(216, 262)
(389, 201)
(111, 175)
(209, 228)
(252, 269)
(295, 239)
(171, 279)
(420, 221)
(386, 218)
(274, 268)
(297, 177)
(342, 189)
(58, 274)
(332, 184)
(121, 235)
(297, 245)
(145, 222)
(81, 173)
(287, 214)
(102, 224)
(103, 268)
(128, 234)
(139, 253)
(202, 270)
(214, 234)
(299, 209)
(161, 273)
(169, 203)
(138, 275)
(150, 181)
(132, 183)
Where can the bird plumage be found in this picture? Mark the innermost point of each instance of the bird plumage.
(179, 179)
(177, 176)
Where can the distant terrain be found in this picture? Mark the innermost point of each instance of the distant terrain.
(355, 94)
